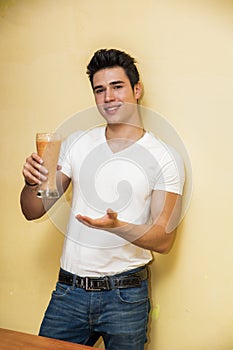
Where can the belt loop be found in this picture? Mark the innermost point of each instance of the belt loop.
(108, 283)
(86, 283)
(74, 281)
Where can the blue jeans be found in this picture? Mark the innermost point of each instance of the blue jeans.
(120, 316)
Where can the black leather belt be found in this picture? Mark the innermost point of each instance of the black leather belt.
(104, 283)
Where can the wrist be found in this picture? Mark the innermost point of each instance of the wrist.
(29, 184)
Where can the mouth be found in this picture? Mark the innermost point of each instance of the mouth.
(112, 109)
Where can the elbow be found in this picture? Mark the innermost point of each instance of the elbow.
(166, 243)
(30, 213)
(163, 249)
(28, 217)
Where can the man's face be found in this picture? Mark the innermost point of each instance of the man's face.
(115, 98)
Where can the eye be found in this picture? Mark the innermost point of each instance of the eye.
(116, 87)
(99, 90)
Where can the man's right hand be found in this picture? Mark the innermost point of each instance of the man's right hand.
(33, 171)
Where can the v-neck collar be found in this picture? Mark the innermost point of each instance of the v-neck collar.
(139, 141)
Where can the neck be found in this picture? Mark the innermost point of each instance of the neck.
(121, 136)
(124, 131)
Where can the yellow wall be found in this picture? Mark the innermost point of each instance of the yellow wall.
(185, 54)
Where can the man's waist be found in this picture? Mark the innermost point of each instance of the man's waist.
(129, 279)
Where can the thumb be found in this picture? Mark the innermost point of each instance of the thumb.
(112, 214)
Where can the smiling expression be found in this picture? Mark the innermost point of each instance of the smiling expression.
(115, 98)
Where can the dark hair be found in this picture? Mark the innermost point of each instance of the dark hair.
(108, 58)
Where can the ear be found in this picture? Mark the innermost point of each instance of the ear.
(138, 90)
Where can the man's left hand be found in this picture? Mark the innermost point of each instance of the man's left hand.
(106, 222)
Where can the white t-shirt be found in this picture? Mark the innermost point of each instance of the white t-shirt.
(122, 181)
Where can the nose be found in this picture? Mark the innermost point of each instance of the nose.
(109, 95)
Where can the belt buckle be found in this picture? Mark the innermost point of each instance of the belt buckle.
(89, 285)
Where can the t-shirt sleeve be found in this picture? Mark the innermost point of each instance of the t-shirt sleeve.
(65, 153)
(171, 175)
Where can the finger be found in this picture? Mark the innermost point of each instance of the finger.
(112, 214)
(33, 171)
(97, 223)
(31, 179)
(35, 161)
(84, 220)
(37, 158)
(32, 176)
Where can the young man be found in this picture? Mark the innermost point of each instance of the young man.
(127, 188)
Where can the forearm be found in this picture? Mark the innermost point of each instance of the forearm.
(152, 237)
(158, 237)
(32, 206)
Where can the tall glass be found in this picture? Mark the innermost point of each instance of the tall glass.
(48, 148)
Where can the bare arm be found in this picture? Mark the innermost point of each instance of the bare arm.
(159, 236)
(34, 173)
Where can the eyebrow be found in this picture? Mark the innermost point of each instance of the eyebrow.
(115, 82)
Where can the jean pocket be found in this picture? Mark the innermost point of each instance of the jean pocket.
(135, 295)
(61, 290)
